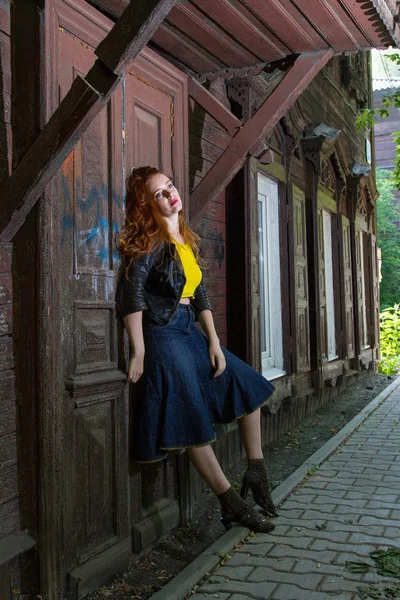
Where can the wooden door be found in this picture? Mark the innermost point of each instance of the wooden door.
(144, 123)
(302, 359)
(96, 508)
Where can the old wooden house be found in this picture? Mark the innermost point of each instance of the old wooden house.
(250, 105)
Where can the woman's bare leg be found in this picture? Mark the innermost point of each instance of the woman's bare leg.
(233, 507)
(206, 463)
(256, 475)
(250, 434)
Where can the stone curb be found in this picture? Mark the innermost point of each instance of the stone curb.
(179, 587)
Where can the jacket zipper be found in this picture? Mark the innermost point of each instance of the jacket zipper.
(180, 267)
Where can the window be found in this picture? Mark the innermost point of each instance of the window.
(330, 306)
(270, 280)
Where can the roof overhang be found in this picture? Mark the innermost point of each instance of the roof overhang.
(202, 35)
(208, 36)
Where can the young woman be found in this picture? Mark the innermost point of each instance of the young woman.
(185, 381)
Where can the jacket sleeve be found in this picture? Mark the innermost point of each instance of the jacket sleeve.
(201, 300)
(130, 294)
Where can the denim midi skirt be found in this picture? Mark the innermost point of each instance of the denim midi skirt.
(177, 400)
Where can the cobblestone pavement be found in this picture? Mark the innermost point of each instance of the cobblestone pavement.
(345, 510)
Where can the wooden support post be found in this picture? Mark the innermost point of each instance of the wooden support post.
(288, 275)
(22, 189)
(27, 32)
(261, 125)
(82, 103)
(135, 27)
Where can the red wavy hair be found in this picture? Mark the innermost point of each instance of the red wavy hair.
(144, 228)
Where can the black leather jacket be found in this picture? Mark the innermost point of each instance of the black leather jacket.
(155, 284)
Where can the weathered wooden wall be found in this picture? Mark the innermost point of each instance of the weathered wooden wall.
(207, 141)
(72, 404)
(9, 492)
(17, 291)
(5, 91)
(385, 146)
(335, 97)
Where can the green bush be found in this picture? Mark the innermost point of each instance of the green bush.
(390, 340)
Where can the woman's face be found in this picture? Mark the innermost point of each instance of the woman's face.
(164, 194)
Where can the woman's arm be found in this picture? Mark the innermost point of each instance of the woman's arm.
(130, 295)
(131, 302)
(217, 358)
(133, 324)
(207, 323)
(201, 300)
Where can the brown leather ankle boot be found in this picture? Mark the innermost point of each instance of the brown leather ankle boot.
(236, 510)
(256, 479)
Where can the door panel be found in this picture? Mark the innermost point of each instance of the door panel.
(148, 124)
(156, 121)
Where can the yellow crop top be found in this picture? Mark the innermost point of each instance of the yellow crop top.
(191, 268)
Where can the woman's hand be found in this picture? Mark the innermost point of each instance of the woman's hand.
(217, 358)
(135, 369)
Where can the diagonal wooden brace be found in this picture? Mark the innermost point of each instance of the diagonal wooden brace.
(214, 107)
(22, 189)
(135, 27)
(85, 99)
(261, 125)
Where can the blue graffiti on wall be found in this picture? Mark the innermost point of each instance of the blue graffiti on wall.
(95, 237)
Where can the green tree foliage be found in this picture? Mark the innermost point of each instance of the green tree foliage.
(390, 340)
(388, 235)
(367, 118)
(388, 239)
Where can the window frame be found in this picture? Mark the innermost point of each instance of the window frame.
(269, 247)
(329, 286)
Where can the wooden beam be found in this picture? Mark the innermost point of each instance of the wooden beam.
(214, 107)
(135, 27)
(261, 125)
(83, 102)
(47, 153)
